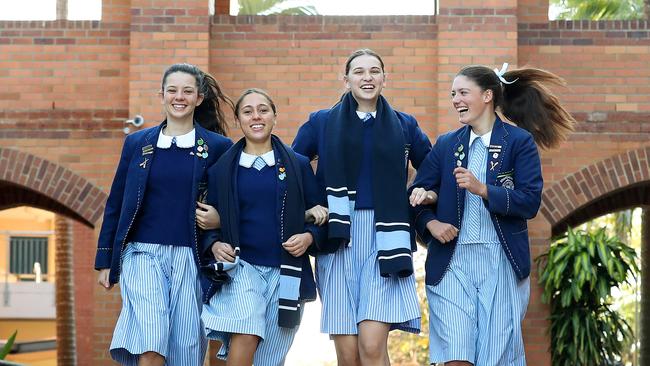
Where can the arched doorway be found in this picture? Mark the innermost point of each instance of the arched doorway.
(613, 184)
(31, 181)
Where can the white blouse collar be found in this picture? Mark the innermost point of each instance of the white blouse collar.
(183, 141)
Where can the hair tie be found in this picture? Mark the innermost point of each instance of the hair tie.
(502, 72)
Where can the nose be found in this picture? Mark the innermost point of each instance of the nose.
(367, 75)
(455, 99)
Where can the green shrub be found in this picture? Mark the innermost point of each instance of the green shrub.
(577, 273)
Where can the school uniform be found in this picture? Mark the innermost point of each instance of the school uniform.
(261, 202)
(364, 270)
(477, 284)
(148, 240)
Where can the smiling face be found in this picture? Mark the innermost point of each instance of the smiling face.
(365, 79)
(180, 96)
(471, 103)
(256, 117)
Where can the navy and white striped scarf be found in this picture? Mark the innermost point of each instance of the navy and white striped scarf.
(343, 151)
(292, 218)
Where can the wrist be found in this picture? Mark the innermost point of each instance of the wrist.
(309, 238)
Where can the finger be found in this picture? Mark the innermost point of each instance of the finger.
(290, 244)
(226, 257)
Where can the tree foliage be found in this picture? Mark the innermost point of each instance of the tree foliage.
(577, 274)
(599, 9)
(268, 7)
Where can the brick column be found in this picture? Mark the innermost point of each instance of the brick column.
(222, 7)
(472, 32)
(644, 331)
(66, 349)
(163, 33)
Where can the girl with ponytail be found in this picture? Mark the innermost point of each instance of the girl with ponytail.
(149, 234)
(471, 198)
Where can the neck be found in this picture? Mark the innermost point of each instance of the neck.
(367, 106)
(258, 148)
(177, 128)
(483, 124)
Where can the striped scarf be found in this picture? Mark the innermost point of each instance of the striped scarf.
(343, 151)
(292, 216)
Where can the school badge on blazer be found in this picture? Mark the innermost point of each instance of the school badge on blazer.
(506, 179)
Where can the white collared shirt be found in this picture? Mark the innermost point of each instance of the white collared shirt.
(362, 115)
(485, 137)
(246, 160)
(183, 141)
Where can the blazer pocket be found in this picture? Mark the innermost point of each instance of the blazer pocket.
(520, 232)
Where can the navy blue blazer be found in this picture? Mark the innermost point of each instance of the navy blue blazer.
(514, 183)
(312, 198)
(128, 190)
(310, 142)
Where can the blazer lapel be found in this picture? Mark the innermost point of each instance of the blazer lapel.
(281, 174)
(460, 152)
(147, 150)
(496, 151)
(200, 159)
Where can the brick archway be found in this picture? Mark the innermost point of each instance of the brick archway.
(618, 182)
(28, 180)
(49, 186)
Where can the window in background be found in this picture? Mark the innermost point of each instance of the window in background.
(24, 251)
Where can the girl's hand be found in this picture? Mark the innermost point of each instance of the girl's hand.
(223, 252)
(207, 217)
(297, 244)
(420, 196)
(317, 215)
(102, 278)
(467, 180)
(442, 231)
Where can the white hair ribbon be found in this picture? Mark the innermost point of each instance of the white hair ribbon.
(502, 72)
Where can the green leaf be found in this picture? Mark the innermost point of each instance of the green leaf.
(7, 347)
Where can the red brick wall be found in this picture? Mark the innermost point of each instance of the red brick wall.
(69, 86)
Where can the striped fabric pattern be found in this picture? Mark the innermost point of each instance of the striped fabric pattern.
(352, 290)
(247, 305)
(161, 303)
(393, 238)
(477, 226)
(340, 203)
(477, 309)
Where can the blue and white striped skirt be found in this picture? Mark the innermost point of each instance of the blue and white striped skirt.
(475, 312)
(161, 304)
(352, 289)
(249, 305)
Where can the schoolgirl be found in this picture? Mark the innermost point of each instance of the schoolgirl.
(258, 275)
(486, 178)
(149, 235)
(365, 272)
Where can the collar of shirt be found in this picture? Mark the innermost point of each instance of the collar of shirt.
(362, 115)
(184, 141)
(485, 137)
(246, 160)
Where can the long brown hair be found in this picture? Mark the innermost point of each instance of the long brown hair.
(209, 113)
(528, 101)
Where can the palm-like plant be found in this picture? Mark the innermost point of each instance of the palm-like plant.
(6, 348)
(599, 9)
(268, 7)
(578, 273)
